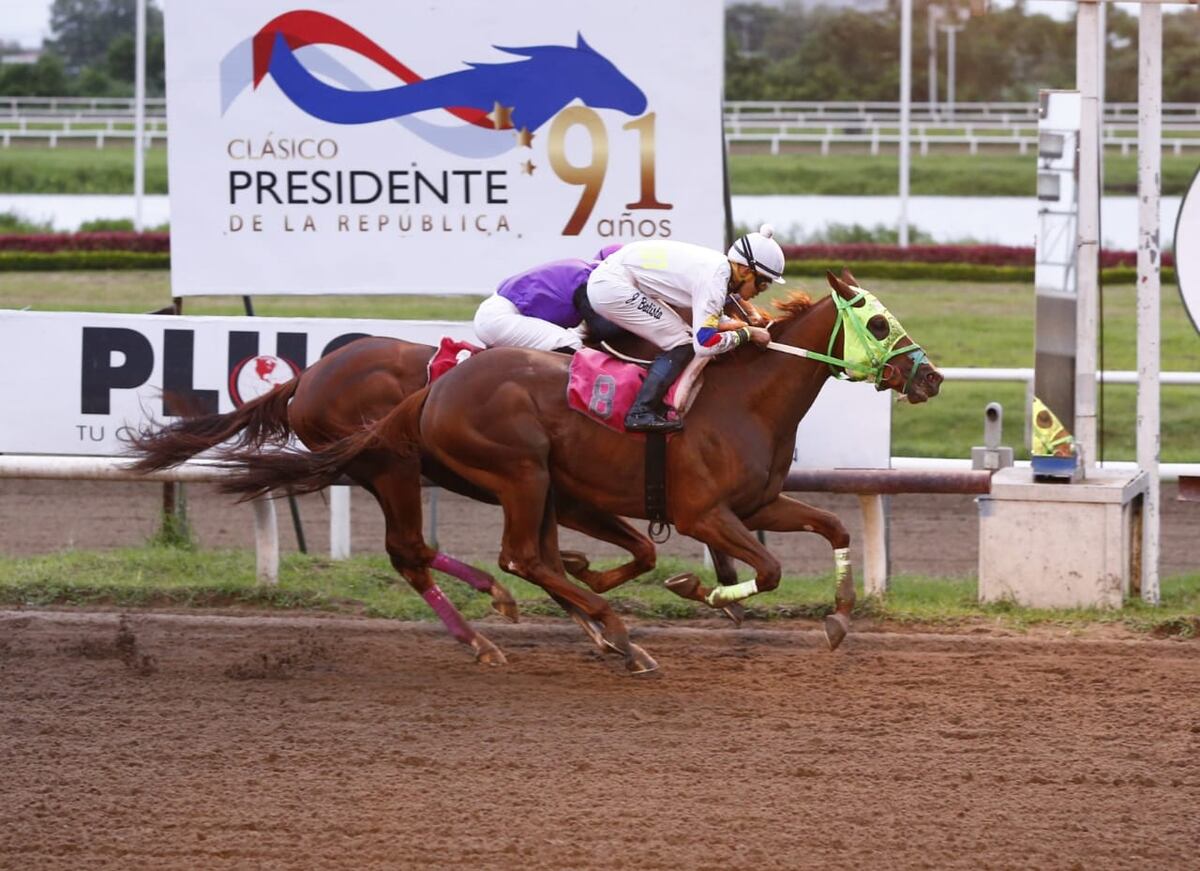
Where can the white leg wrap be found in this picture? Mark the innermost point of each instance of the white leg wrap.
(841, 562)
(732, 593)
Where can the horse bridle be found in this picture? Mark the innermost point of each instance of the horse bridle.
(878, 353)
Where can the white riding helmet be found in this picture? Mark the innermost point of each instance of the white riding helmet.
(760, 252)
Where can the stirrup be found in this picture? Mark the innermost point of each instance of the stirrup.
(648, 421)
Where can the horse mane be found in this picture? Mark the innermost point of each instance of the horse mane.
(794, 304)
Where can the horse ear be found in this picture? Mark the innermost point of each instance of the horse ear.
(581, 43)
(839, 286)
(848, 277)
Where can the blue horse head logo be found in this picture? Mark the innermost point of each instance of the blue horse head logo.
(546, 80)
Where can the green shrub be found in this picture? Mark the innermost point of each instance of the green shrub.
(29, 261)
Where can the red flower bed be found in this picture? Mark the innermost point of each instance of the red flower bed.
(48, 242)
(981, 255)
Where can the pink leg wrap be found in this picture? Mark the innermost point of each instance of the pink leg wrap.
(477, 579)
(443, 608)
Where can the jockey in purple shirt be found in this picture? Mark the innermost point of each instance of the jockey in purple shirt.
(542, 308)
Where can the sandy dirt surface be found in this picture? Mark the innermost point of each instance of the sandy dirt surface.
(932, 535)
(252, 742)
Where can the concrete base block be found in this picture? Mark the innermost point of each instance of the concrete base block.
(1068, 545)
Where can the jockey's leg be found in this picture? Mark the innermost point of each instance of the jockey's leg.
(498, 323)
(648, 413)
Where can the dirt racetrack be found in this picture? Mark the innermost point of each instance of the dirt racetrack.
(251, 742)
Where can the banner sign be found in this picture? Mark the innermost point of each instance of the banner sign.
(110, 371)
(1187, 250)
(368, 147)
(72, 382)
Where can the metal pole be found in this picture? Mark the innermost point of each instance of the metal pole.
(1148, 285)
(139, 114)
(1088, 245)
(950, 57)
(931, 14)
(905, 111)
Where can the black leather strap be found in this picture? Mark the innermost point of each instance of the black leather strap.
(656, 485)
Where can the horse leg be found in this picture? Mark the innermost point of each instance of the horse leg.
(397, 488)
(612, 529)
(722, 530)
(791, 515)
(502, 601)
(529, 549)
(688, 585)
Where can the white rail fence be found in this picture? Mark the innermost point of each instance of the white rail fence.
(774, 126)
(266, 534)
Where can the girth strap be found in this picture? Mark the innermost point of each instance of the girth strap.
(656, 486)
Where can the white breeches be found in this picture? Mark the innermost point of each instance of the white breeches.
(614, 297)
(499, 323)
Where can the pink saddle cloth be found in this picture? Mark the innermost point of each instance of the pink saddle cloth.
(604, 388)
(448, 355)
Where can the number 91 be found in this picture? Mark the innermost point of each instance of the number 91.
(591, 175)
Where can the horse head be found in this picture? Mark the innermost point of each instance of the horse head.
(874, 344)
(564, 73)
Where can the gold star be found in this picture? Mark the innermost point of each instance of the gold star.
(525, 138)
(528, 167)
(500, 116)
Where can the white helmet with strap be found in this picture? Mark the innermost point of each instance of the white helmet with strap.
(760, 252)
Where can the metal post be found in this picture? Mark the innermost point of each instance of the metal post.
(1088, 247)
(139, 114)
(951, 51)
(266, 540)
(1148, 285)
(339, 522)
(905, 112)
(931, 16)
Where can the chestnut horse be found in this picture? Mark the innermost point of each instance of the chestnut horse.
(500, 422)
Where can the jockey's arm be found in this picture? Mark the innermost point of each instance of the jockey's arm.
(709, 335)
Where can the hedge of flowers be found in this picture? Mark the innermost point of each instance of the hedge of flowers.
(157, 243)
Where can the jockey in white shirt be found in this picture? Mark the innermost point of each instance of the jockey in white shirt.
(630, 289)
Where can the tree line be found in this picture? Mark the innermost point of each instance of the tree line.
(787, 53)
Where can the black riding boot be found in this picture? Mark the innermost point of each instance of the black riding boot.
(648, 413)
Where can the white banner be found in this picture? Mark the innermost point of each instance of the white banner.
(1187, 251)
(369, 147)
(72, 381)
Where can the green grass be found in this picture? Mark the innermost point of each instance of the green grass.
(959, 324)
(940, 174)
(168, 577)
(78, 169)
(83, 169)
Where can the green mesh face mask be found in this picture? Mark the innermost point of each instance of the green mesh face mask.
(865, 356)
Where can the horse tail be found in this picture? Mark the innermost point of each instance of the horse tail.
(294, 470)
(262, 420)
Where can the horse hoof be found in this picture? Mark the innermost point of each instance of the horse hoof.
(734, 612)
(836, 627)
(638, 661)
(506, 607)
(686, 585)
(574, 562)
(487, 653)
